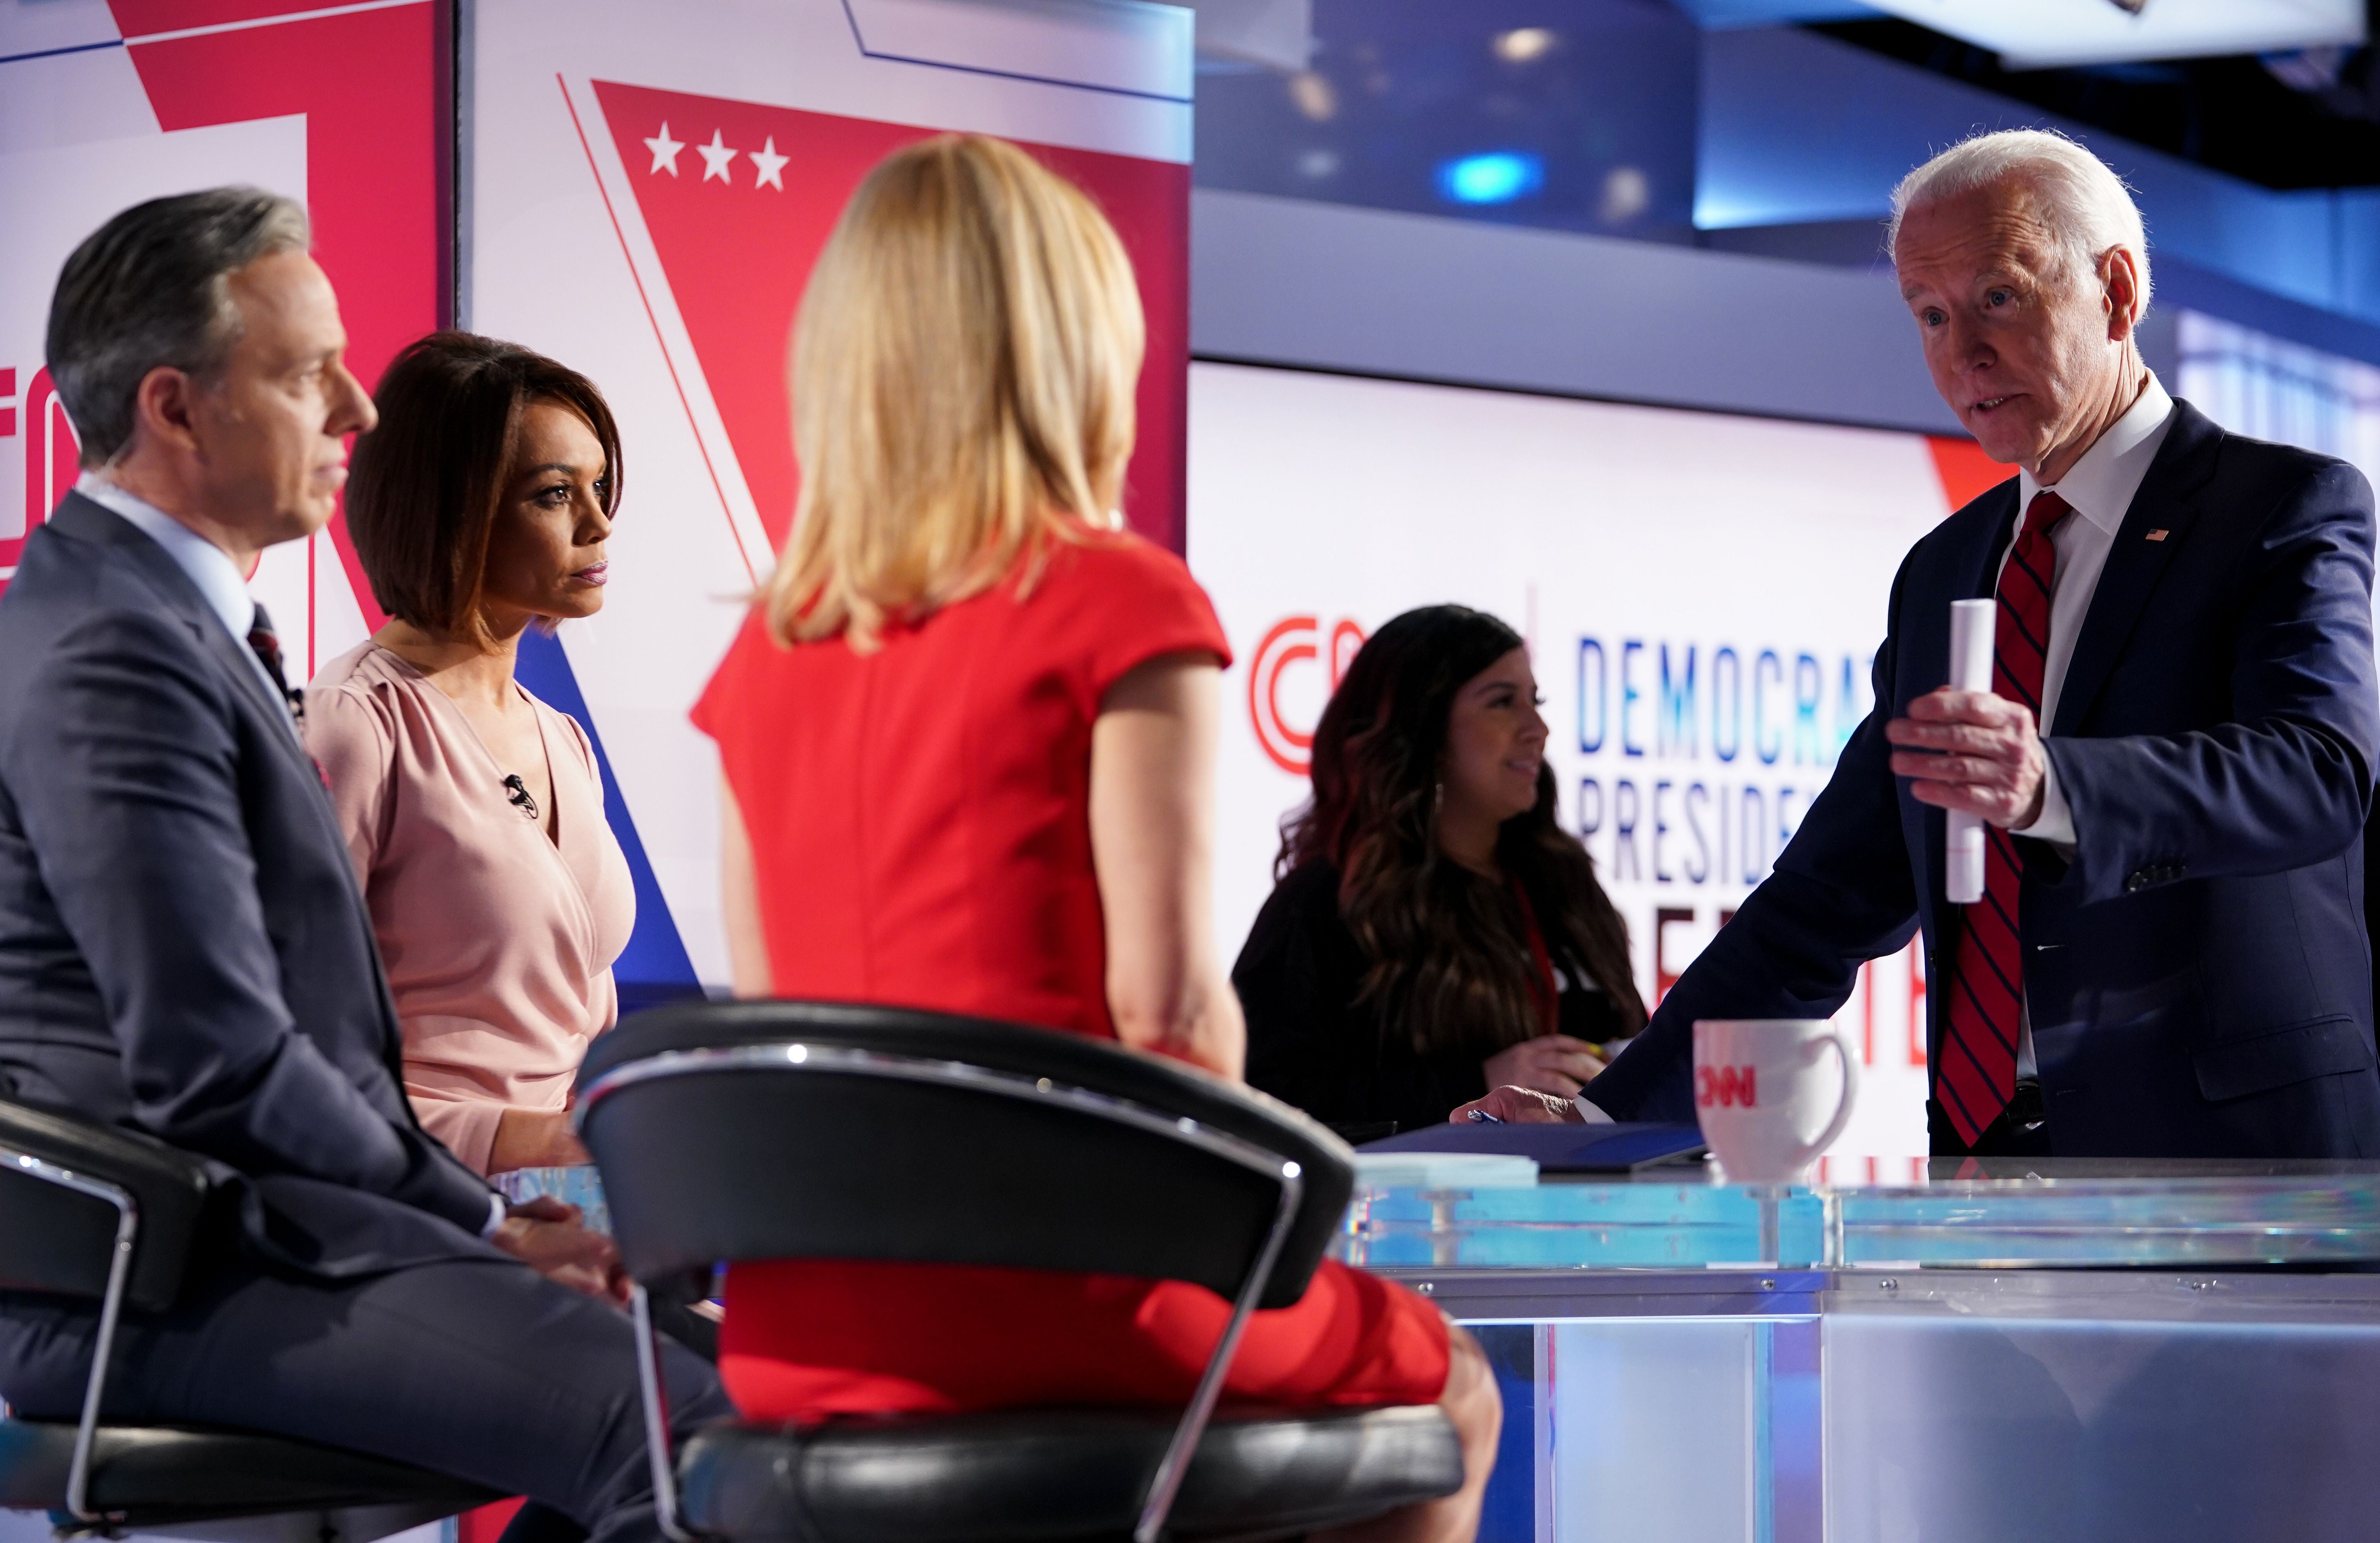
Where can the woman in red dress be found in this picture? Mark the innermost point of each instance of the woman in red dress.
(967, 740)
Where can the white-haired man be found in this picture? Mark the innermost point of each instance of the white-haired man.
(2174, 761)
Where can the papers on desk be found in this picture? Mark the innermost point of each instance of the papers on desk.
(1563, 1149)
(1444, 1171)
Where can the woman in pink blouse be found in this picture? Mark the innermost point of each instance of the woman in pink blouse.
(475, 812)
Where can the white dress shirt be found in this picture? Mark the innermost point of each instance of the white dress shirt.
(224, 589)
(2099, 487)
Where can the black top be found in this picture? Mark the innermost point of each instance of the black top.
(1310, 1044)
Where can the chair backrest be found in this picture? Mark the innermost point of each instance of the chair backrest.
(797, 1130)
(60, 1179)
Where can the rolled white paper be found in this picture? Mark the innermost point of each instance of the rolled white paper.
(1973, 625)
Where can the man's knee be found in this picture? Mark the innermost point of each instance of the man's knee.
(44, 1356)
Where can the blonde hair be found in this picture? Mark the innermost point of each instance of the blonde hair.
(962, 376)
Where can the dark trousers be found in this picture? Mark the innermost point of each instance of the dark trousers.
(479, 1367)
(2022, 1130)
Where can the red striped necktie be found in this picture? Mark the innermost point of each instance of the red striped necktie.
(267, 644)
(1974, 1074)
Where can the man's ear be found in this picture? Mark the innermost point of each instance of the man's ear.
(164, 408)
(2119, 278)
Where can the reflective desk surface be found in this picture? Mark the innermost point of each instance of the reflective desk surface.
(2061, 1351)
(2041, 1213)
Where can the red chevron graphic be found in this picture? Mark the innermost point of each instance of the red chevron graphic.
(737, 249)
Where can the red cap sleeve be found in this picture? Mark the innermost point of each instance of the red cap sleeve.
(1140, 603)
(715, 712)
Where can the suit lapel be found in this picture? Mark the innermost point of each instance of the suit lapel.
(233, 655)
(84, 519)
(1981, 578)
(2183, 464)
(94, 522)
(1966, 572)
(1971, 571)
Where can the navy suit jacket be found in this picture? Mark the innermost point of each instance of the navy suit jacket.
(183, 947)
(2199, 976)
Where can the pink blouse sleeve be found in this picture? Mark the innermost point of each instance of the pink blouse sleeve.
(353, 740)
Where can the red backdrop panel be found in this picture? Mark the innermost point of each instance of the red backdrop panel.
(368, 84)
(138, 17)
(1967, 473)
(738, 254)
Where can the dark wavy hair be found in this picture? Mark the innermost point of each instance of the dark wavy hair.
(1449, 962)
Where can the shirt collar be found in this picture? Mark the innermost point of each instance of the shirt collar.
(207, 565)
(2100, 486)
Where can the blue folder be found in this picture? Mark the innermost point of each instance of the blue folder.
(1621, 1148)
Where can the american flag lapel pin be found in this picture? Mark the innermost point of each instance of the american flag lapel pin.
(2157, 535)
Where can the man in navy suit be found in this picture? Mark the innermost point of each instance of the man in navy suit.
(2171, 958)
(183, 948)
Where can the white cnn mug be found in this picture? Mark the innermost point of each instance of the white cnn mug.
(1762, 1094)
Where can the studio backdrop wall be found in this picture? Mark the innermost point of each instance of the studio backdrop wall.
(637, 189)
(640, 190)
(104, 104)
(1702, 595)
(645, 188)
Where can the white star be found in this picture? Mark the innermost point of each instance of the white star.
(665, 153)
(715, 156)
(772, 164)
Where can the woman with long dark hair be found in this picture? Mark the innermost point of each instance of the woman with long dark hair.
(1435, 931)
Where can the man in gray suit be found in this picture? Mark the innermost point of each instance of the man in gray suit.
(183, 947)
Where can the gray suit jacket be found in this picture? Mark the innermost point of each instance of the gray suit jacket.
(183, 947)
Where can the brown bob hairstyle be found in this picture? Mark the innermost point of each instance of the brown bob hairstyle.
(424, 487)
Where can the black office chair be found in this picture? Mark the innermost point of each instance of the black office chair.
(99, 1214)
(787, 1130)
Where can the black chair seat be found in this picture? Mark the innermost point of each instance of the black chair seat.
(155, 1475)
(1064, 1473)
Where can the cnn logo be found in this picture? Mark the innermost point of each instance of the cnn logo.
(1726, 1087)
(38, 456)
(1296, 640)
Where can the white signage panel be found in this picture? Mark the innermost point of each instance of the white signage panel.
(1701, 594)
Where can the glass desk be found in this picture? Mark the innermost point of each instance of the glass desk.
(2056, 1351)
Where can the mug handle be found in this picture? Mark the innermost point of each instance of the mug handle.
(1842, 1048)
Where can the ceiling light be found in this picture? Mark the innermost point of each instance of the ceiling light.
(1627, 192)
(1313, 96)
(2032, 34)
(1523, 44)
(1498, 177)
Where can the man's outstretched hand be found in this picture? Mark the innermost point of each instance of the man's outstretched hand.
(544, 1233)
(1521, 1106)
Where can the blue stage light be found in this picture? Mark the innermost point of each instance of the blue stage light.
(1498, 177)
